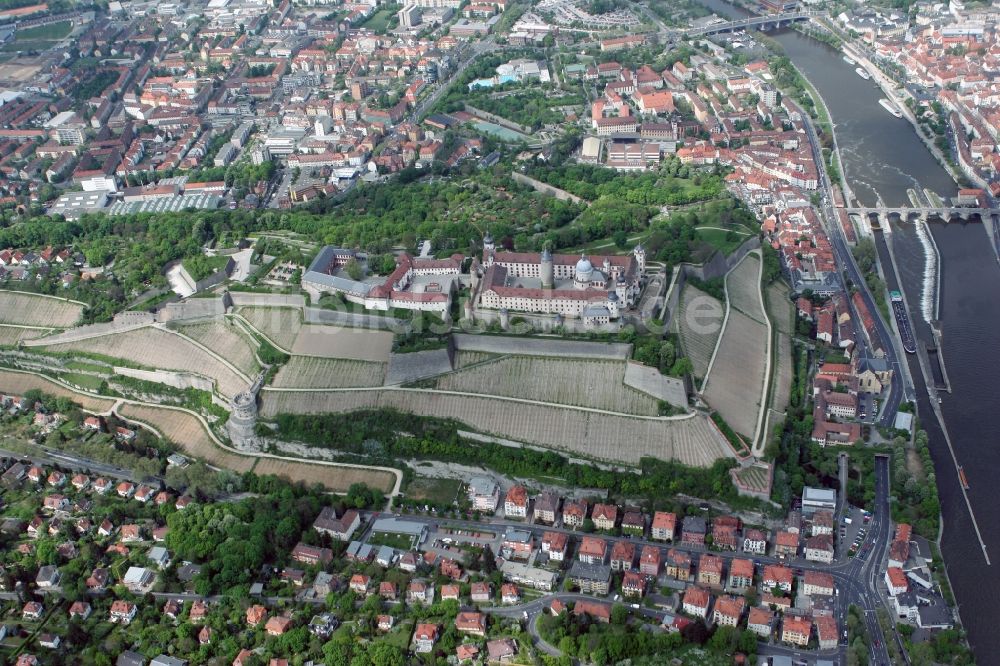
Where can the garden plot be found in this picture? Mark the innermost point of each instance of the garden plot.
(780, 308)
(154, 348)
(314, 372)
(614, 438)
(699, 322)
(18, 383)
(743, 287)
(222, 337)
(360, 344)
(736, 381)
(188, 433)
(593, 384)
(279, 325)
(334, 478)
(34, 310)
(11, 335)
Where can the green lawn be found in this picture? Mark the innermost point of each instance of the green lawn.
(724, 241)
(86, 381)
(91, 367)
(379, 21)
(397, 541)
(439, 491)
(52, 31)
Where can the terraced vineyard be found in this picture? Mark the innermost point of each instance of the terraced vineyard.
(780, 308)
(464, 359)
(11, 335)
(782, 374)
(17, 383)
(222, 337)
(154, 348)
(34, 310)
(341, 342)
(737, 379)
(314, 372)
(280, 325)
(738, 374)
(578, 382)
(186, 432)
(621, 439)
(743, 286)
(699, 323)
(335, 479)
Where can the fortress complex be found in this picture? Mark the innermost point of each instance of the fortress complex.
(597, 289)
(415, 284)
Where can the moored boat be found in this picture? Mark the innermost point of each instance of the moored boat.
(961, 477)
(890, 107)
(849, 60)
(862, 73)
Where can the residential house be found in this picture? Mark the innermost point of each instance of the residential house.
(47, 577)
(484, 494)
(468, 622)
(796, 630)
(754, 541)
(515, 504)
(33, 610)
(622, 555)
(311, 555)
(649, 561)
(451, 569)
(481, 593)
(199, 612)
(424, 637)
(574, 513)
(590, 578)
(450, 592)
(786, 544)
(605, 516)
(122, 611)
(740, 574)
(777, 576)
(517, 544)
(728, 610)
(592, 550)
(696, 601)
(693, 531)
(359, 584)
(79, 610)
(385, 622)
(634, 523)
(340, 528)
(710, 570)
(895, 581)
(501, 650)
(678, 564)
(594, 609)
(761, 621)
(633, 584)
(419, 592)
(664, 526)
(819, 548)
(546, 508)
(388, 590)
(555, 544)
(724, 537)
(278, 625)
(255, 615)
(509, 594)
(817, 583)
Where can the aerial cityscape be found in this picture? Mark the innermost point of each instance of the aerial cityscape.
(535, 332)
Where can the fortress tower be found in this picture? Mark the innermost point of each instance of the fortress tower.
(546, 270)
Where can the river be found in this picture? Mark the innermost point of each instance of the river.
(883, 156)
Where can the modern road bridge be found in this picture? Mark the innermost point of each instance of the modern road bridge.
(765, 22)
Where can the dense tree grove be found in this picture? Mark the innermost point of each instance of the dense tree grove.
(375, 435)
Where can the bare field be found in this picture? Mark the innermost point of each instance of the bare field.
(33, 310)
(619, 439)
(17, 383)
(782, 374)
(314, 372)
(699, 324)
(280, 325)
(737, 378)
(334, 478)
(780, 308)
(743, 286)
(186, 432)
(11, 335)
(577, 382)
(154, 348)
(359, 344)
(224, 339)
